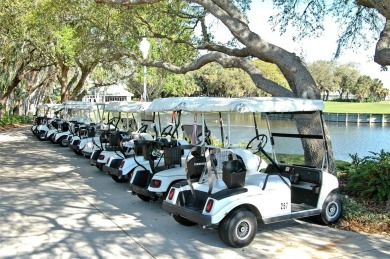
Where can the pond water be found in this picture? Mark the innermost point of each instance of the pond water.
(351, 138)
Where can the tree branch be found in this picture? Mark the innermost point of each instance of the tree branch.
(228, 62)
(128, 2)
(382, 50)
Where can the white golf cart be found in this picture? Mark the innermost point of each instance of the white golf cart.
(112, 140)
(149, 149)
(75, 113)
(152, 182)
(87, 132)
(86, 145)
(122, 144)
(233, 197)
(46, 121)
(39, 118)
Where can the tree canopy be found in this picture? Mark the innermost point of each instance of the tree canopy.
(346, 79)
(360, 22)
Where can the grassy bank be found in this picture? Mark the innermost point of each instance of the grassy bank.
(348, 107)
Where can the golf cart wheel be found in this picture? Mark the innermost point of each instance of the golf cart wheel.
(49, 137)
(119, 180)
(78, 152)
(238, 229)
(332, 210)
(183, 221)
(41, 136)
(143, 197)
(62, 141)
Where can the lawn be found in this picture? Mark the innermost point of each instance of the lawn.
(347, 107)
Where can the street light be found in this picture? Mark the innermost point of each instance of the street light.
(144, 47)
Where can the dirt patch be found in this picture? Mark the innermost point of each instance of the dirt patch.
(8, 127)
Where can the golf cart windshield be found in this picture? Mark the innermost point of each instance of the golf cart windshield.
(291, 132)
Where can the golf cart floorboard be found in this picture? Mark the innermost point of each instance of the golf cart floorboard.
(295, 207)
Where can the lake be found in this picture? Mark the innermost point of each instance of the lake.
(347, 139)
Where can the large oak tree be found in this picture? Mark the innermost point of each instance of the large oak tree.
(249, 45)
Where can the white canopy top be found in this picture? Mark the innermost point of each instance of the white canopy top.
(127, 106)
(278, 104)
(170, 104)
(78, 105)
(50, 106)
(249, 104)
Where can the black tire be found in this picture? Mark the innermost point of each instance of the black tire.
(62, 141)
(78, 152)
(119, 180)
(332, 209)
(49, 137)
(52, 139)
(143, 197)
(238, 228)
(183, 221)
(41, 135)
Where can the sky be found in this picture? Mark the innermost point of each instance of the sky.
(312, 49)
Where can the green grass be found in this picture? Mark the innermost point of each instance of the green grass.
(347, 107)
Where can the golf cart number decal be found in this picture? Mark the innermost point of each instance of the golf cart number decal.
(283, 205)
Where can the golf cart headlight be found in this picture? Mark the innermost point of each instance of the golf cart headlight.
(101, 157)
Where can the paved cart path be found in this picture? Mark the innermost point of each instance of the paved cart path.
(53, 204)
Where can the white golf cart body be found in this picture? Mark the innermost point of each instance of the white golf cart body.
(283, 191)
(139, 164)
(94, 144)
(73, 111)
(40, 114)
(163, 180)
(42, 129)
(122, 107)
(88, 134)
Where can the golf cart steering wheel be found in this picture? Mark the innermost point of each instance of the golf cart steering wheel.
(167, 131)
(206, 139)
(258, 142)
(143, 128)
(111, 122)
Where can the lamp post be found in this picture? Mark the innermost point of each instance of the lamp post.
(144, 47)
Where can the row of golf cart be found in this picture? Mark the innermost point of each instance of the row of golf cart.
(180, 151)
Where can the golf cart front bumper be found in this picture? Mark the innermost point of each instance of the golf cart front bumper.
(188, 213)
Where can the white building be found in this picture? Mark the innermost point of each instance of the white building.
(108, 94)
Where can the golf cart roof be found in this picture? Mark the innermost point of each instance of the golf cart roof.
(277, 104)
(170, 104)
(248, 104)
(127, 106)
(78, 105)
(53, 105)
(204, 104)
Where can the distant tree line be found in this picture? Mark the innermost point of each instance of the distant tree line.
(346, 80)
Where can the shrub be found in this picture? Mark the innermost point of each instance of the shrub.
(14, 119)
(369, 177)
